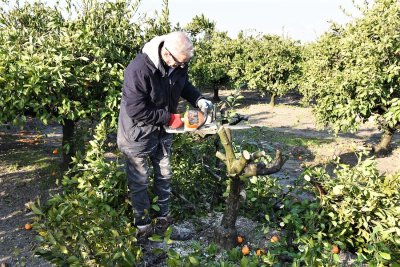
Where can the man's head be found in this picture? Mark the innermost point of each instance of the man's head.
(177, 50)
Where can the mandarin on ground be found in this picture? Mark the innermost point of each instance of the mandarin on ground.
(260, 251)
(274, 239)
(28, 226)
(245, 250)
(240, 240)
(335, 249)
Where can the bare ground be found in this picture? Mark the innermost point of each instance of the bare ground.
(25, 180)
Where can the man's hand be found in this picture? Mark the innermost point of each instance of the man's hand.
(205, 105)
(175, 121)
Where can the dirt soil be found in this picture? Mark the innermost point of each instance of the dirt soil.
(24, 181)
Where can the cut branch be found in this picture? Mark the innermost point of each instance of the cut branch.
(240, 164)
(221, 156)
(257, 155)
(183, 198)
(263, 169)
(213, 174)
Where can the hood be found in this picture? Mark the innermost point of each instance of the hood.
(151, 49)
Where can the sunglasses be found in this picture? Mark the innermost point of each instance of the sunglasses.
(179, 64)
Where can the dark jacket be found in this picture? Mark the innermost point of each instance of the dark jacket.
(149, 96)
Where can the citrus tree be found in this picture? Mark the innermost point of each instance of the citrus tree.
(62, 67)
(200, 28)
(212, 61)
(353, 72)
(269, 63)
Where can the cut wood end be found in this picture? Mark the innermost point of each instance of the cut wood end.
(246, 155)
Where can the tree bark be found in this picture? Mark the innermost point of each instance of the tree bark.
(272, 102)
(68, 129)
(225, 235)
(216, 95)
(387, 136)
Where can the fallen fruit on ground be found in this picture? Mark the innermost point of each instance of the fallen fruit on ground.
(335, 249)
(260, 251)
(240, 240)
(54, 173)
(245, 250)
(55, 151)
(274, 239)
(28, 226)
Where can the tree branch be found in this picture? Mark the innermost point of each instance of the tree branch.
(263, 169)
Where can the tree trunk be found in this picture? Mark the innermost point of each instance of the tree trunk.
(68, 129)
(216, 96)
(272, 102)
(387, 136)
(225, 235)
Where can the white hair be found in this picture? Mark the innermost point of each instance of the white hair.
(179, 43)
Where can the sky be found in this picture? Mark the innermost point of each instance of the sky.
(302, 20)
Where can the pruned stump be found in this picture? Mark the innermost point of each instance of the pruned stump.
(225, 235)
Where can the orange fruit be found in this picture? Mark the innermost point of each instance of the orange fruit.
(300, 157)
(240, 239)
(245, 250)
(274, 239)
(55, 151)
(260, 251)
(87, 84)
(22, 134)
(31, 133)
(28, 226)
(304, 228)
(54, 173)
(54, 128)
(335, 249)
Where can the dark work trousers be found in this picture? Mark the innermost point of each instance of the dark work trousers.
(137, 172)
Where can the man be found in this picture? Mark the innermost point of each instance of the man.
(153, 84)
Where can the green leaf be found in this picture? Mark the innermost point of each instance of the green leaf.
(64, 249)
(193, 261)
(337, 190)
(244, 262)
(156, 238)
(35, 209)
(157, 251)
(385, 255)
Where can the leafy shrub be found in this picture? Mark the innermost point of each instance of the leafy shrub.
(361, 210)
(89, 225)
(190, 157)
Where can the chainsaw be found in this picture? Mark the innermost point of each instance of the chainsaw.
(205, 124)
